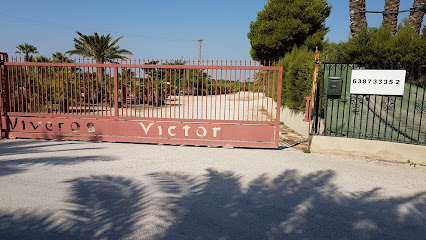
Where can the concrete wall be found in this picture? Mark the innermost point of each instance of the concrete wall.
(388, 151)
(294, 120)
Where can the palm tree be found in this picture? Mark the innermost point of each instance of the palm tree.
(357, 16)
(390, 15)
(416, 17)
(26, 49)
(101, 48)
(59, 57)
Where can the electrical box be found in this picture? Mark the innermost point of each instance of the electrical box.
(334, 86)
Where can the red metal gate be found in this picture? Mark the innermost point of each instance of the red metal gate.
(173, 102)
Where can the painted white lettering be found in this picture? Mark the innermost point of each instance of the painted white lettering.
(201, 135)
(215, 130)
(170, 131)
(146, 129)
(160, 130)
(186, 127)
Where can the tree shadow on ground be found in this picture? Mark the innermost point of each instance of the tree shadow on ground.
(100, 207)
(218, 206)
(20, 155)
(290, 206)
(27, 146)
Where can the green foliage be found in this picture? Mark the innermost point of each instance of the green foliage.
(37, 59)
(283, 24)
(99, 47)
(298, 68)
(59, 57)
(376, 46)
(26, 49)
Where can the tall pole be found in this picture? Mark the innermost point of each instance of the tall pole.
(200, 41)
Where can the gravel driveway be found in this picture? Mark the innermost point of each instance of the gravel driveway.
(88, 190)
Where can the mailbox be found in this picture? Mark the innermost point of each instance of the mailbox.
(334, 86)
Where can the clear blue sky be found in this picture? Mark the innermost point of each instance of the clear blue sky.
(166, 29)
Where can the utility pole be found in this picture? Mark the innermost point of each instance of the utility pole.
(200, 41)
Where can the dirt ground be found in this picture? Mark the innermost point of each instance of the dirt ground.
(292, 139)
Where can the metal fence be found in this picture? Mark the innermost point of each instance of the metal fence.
(224, 103)
(213, 90)
(379, 117)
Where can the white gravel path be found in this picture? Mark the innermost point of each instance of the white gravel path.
(87, 190)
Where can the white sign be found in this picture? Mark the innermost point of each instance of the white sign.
(378, 82)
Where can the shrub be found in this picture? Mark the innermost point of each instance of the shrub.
(298, 67)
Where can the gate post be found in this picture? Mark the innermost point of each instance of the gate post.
(4, 89)
(315, 98)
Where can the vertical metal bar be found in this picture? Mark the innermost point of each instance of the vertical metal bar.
(422, 108)
(263, 97)
(234, 93)
(174, 92)
(255, 108)
(115, 91)
(345, 88)
(92, 83)
(133, 96)
(226, 90)
(161, 91)
(374, 117)
(50, 89)
(332, 120)
(198, 90)
(145, 90)
(202, 93)
(187, 74)
(386, 118)
(53, 104)
(20, 91)
(350, 105)
(211, 93)
(266, 94)
(31, 89)
(27, 91)
(8, 103)
(14, 84)
(278, 114)
(179, 91)
(248, 93)
(42, 83)
(414, 108)
(244, 93)
(368, 114)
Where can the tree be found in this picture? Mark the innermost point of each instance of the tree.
(59, 57)
(390, 15)
(26, 49)
(101, 48)
(357, 16)
(283, 24)
(416, 17)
